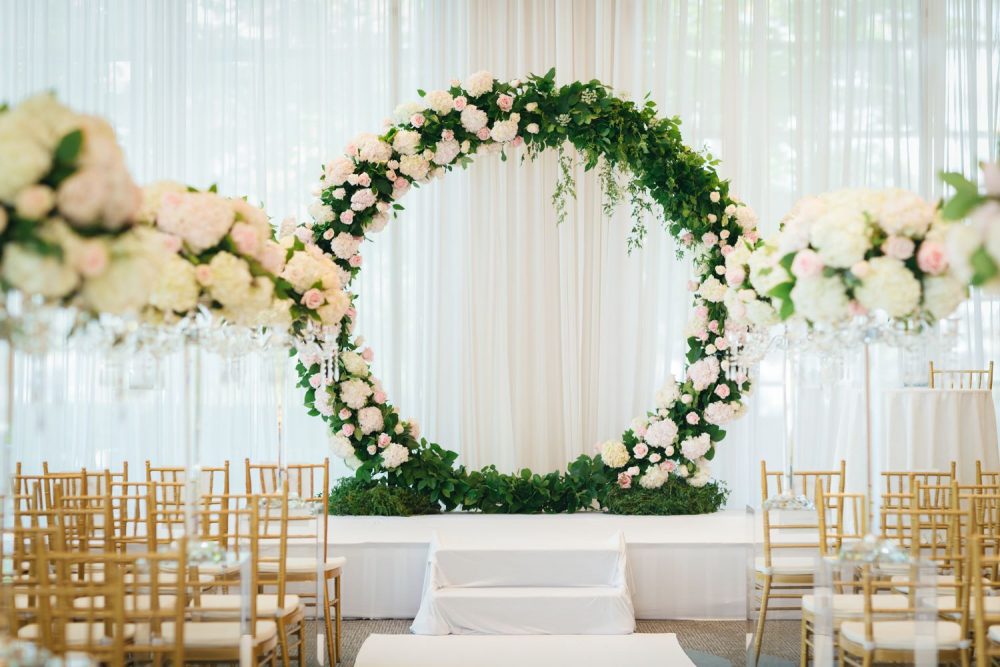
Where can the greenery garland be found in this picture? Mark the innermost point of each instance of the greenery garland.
(642, 159)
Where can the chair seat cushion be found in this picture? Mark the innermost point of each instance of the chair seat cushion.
(79, 634)
(301, 565)
(994, 634)
(902, 635)
(787, 565)
(218, 634)
(226, 606)
(849, 605)
(132, 602)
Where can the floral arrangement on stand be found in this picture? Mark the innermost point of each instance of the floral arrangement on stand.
(974, 248)
(641, 158)
(852, 253)
(67, 208)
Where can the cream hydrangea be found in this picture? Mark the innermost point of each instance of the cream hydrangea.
(395, 455)
(614, 454)
(340, 445)
(405, 111)
(231, 279)
(33, 273)
(406, 142)
(712, 290)
(414, 166)
(668, 393)
(439, 101)
(889, 287)
(696, 447)
(661, 433)
(821, 299)
(943, 294)
(370, 419)
(840, 236)
(653, 478)
(137, 260)
(372, 149)
(479, 83)
(905, 213)
(446, 151)
(305, 270)
(175, 290)
(200, 219)
(505, 130)
(354, 393)
(473, 118)
(354, 363)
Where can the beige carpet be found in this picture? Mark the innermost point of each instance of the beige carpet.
(710, 643)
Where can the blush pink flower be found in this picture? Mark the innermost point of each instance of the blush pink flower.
(722, 391)
(355, 261)
(447, 135)
(931, 258)
(856, 309)
(171, 243)
(203, 274)
(727, 250)
(687, 238)
(384, 440)
(344, 413)
(624, 480)
(313, 299)
(372, 449)
(710, 238)
(640, 450)
(505, 102)
(899, 247)
(347, 430)
(351, 312)
(245, 238)
(367, 354)
(347, 217)
(807, 264)
(692, 418)
(379, 397)
(693, 285)
(460, 102)
(518, 141)
(316, 381)
(735, 275)
(364, 180)
(668, 466)
(483, 134)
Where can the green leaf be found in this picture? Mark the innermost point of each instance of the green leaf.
(984, 267)
(782, 291)
(69, 147)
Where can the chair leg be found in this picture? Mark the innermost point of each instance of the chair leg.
(761, 617)
(804, 650)
(339, 629)
(283, 641)
(331, 642)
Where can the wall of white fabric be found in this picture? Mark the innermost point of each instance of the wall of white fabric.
(513, 340)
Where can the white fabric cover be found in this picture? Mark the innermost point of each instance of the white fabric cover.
(786, 565)
(301, 565)
(637, 650)
(227, 606)
(928, 428)
(547, 584)
(994, 633)
(78, 634)
(707, 557)
(903, 634)
(218, 634)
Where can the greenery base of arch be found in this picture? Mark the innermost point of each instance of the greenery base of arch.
(642, 160)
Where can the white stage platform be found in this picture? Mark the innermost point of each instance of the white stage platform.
(682, 567)
(637, 650)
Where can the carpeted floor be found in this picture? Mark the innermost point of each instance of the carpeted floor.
(709, 643)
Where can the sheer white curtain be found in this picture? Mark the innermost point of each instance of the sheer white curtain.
(513, 340)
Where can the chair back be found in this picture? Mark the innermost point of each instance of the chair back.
(961, 379)
(983, 588)
(309, 482)
(795, 532)
(987, 477)
(842, 519)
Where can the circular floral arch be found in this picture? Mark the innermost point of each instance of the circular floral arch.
(642, 160)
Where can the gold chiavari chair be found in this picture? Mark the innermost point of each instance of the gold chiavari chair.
(129, 517)
(285, 609)
(842, 520)
(93, 480)
(898, 496)
(961, 379)
(32, 526)
(207, 639)
(987, 477)
(214, 479)
(149, 604)
(985, 613)
(311, 483)
(780, 578)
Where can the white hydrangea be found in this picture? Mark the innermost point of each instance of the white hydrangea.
(720, 412)
(761, 314)
(505, 130)
(703, 373)
(439, 101)
(653, 478)
(307, 269)
(152, 197)
(320, 212)
(840, 236)
(406, 142)
(479, 83)
(889, 287)
(231, 279)
(200, 219)
(176, 289)
(354, 363)
(372, 149)
(962, 242)
(345, 245)
(370, 419)
(765, 271)
(405, 110)
(614, 454)
(137, 259)
(702, 477)
(336, 171)
(668, 393)
(354, 393)
(696, 447)
(712, 290)
(905, 213)
(473, 118)
(341, 445)
(661, 433)
(414, 166)
(446, 151)
(395, 455)
(943, 294)
(821, 299)
(36, 274)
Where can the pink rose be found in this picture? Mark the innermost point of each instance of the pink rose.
(351, 149)
(417, 120)
(624, 480)
(721, 343)
(328, 234)
(713, 326)
(367, 354)
(379, 397)
(372, 449)
(316, 381)
(687, 238)
(727, 250)
(518, 141)
(710, 238)
(641, 431)
(355, 261)
(702, 336)
(364, 180)
(668, 466)
(861, 269)
(460, 102)
(203, 274)
(505, 102)
(693, 285)
(692, 418)
(344, 414)
(93, 259)
(640, 450)
(347, 430)
(735, 276)
(384, 440)
(347, 217)
(655, 457)
(701, 312)
(391, 175)
(245, 239)
(722, 391)
(351, 312)
(807, 264)
(447, 135)
(171, 243)
(752, 236)
(899, 247)
(313, 299)
(931, 258)
(483, 134)
(303, 234)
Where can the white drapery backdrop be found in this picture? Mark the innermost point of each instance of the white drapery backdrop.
(513, 340)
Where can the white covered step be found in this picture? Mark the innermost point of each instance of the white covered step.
(525, 566)
(535, 610)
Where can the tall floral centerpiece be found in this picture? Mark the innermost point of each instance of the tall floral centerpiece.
(858, 266)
